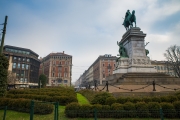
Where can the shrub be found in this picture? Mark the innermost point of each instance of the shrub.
(172, 98)
(142, 110)
(117, 110)
(72, 110)
(23, 105)
(135, 100)
(101, 98)
(178, 96)
(168, 110)
(165, 99)
(121, 100)
(156, 99)
(110, 101)
(146, 99)
(154, 109)
(86, 110)
(177, 107)
(130, 108)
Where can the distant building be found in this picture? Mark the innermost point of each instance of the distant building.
(24, 63)
(57, 67)
(162, 67)
(102, 67)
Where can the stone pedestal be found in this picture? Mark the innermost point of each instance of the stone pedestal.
(137, 61)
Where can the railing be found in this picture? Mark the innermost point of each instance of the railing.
(158, 113)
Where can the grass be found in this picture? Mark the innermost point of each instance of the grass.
(81, 99)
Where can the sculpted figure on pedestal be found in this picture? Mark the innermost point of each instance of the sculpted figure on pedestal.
(129, 19)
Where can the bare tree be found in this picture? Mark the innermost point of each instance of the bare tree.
(11, 78)
(172, 56)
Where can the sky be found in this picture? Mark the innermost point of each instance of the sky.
(86, 29)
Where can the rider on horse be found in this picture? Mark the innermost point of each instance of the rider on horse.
(129, 19)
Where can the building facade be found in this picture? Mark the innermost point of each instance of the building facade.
(58, 68)
(24, 63)
(102, 67)
(163, 67)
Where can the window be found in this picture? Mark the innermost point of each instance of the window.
(65, 74)
(28, 60)
(15, 58)
(22, 66)
(19, 65)
(103, 65)
(14, 65)
(21, 80)
(23, 59)
(22, 73)
(158, 67)
(65, 81)
(103, 75)
(19, 59)
(59, 81)
(27, 67)
(25, 80)
(53, 74)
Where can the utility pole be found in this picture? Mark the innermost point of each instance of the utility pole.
(3, 35)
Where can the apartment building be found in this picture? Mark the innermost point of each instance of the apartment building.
(24, 64)
(58, 68)
(102, 67)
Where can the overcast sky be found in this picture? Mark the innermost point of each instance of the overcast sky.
(86, 29)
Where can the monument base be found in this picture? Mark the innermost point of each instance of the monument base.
(124, 65)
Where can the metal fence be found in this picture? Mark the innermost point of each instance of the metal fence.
(4, 114)
(158, 113)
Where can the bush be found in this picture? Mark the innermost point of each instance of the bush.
(86, 111)
(172, 98)
(23, 105)
(156, 99)
(130, 108)
(165, 99)
(154, 109)
(168, 110)
(100, 98)
(146, 99)
(142, 110)
(121, 100)
(72, 110)
(178, 96)
(177, 107)
(117, 110)
(135, 100)
(110, 101)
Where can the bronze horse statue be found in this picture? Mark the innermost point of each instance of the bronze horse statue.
(129, 19)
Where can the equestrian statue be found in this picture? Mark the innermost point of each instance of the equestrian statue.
(129, 19)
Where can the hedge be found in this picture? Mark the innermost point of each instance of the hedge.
(127, 110)
(63, 100)
(23, 105)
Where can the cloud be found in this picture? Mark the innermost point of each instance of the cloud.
(87, 29)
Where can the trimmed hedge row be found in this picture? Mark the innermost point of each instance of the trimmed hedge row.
(98, 98)
(106, 99)
(126, 110)
(60, 91)
(23, 105)
(63, 100)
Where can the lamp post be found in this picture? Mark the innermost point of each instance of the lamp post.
(3, 36)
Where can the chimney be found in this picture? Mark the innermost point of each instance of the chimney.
(63, 52)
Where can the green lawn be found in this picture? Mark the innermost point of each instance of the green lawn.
(82, 99)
